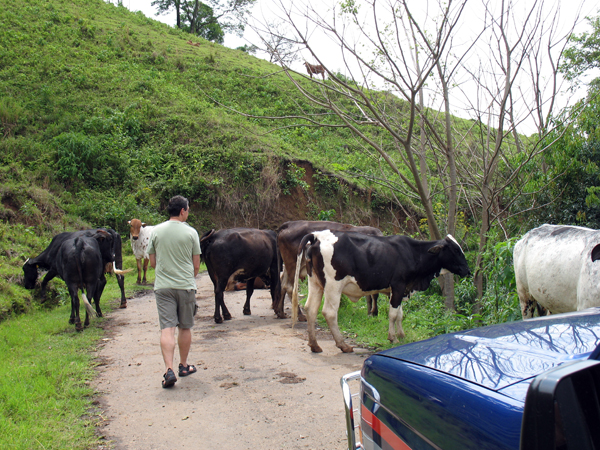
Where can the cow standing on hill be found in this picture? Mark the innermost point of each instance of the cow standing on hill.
(243, 254)
(557, 269)
(45, 261)
(315, 68)
(289, 236)
(139, 234)
(357, 265)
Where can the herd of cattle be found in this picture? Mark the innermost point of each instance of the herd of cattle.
(555, 268)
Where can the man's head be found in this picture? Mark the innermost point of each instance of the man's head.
(176, 204)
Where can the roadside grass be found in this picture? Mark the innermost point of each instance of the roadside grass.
(46, 401)
(425, 316)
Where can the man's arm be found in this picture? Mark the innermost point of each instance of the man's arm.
(196, 261)
(152, 260)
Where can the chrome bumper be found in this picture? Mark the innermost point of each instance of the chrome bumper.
(352, 410)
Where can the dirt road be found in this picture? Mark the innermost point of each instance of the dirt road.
(257, 386)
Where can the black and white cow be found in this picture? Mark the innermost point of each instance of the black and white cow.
(289, 236)
(242, 254)
(80, 262)
(557, 269)
(45, 261)
(357, 265)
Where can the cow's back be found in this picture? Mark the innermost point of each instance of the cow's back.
(232, 249)
(553, 266)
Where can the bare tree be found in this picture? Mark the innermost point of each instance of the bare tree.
(410, 68)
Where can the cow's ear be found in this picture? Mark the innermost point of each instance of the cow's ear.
(143, 224)
(596, 253)
(436, 249)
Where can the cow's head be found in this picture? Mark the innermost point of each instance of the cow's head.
(30, 274)
(106, 244)
(451, 256)
(135, 226)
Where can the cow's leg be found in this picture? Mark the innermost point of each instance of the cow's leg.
(275, 289)
(372, 309)
(395, 330)
(49, 276)
(285, 289)
(331, 306)
(395, 315)
(249, 291)
(315, 295)
(528, 304)
(121, 282)
(75, 307)
(139, 268)
(220, 302)
(97, 293)
(146, 261)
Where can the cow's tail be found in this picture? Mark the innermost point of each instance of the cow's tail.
(86, 302)
(205, 241)
(113, 269)
(301, 248)
(88, 305)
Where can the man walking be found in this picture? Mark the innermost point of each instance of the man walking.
(174, 251)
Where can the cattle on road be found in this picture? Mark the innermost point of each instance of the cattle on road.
(139, 234)
(357, 265)
(557, 269)
(80, 262)
(243, 254)
(289, 236)
(45, 261)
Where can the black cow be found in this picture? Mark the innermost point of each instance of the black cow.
(243, 253)
(80, 262)
(356, 265)
(289, 236)
(46, 259)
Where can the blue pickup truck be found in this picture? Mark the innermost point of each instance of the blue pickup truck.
(531, 384)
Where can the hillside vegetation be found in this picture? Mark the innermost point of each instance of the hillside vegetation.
(104, 115)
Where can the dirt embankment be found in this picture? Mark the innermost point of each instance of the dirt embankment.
(257, 386)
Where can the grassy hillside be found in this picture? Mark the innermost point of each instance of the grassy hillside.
(108, 111)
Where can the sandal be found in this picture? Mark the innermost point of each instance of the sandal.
(185, 371)
(169, 379)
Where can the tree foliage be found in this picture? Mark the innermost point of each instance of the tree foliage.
(210, 20)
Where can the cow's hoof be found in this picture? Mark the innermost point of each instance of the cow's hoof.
(138, 282)
(71, 321)
(227, 316)
(316, 349)
(218, 320)
(347, 349)
(301, 318)
(123, 305)
(247, 312)
(281, 315)
(100, 314)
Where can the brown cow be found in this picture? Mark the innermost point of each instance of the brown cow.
(289, 236)
(315, 68)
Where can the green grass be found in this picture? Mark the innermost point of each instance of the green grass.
(45, 396)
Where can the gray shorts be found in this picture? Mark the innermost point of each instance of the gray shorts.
(176, 307)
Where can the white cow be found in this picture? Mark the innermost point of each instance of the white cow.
(139, 234)
(557, 269)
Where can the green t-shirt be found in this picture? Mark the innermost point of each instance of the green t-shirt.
(174, 243)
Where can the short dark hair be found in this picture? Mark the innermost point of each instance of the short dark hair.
(176, 204)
